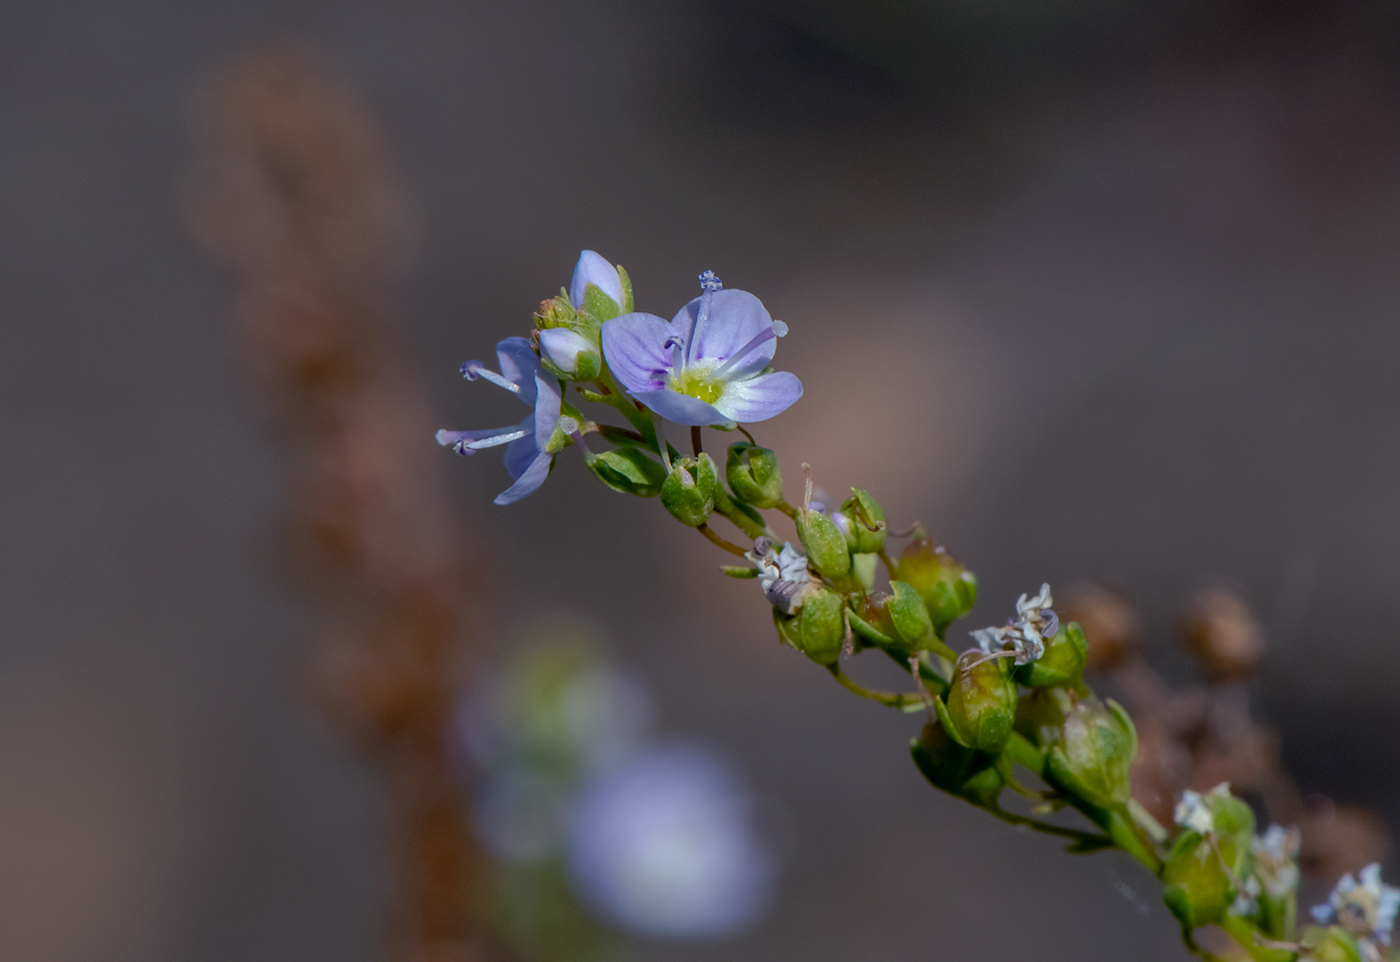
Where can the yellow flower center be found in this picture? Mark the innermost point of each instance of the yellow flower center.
(697, 384)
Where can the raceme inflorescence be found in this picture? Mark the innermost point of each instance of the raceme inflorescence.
(1016, 702)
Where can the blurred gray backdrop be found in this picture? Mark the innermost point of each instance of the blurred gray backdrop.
(1094, 290)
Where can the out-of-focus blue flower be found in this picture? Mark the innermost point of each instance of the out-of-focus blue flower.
(593, 268)
(1366, 908)
(528, 452)
(664, 845)
(707, 365)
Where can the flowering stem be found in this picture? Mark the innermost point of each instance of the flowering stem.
(889, 564)
(787, 509)
(889, 698)
(729, 546)
(1089, 841)
(695, 439)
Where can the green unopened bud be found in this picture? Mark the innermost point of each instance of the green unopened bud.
(1095, 753)
(949, 590)
(628, 470)
(862, 521)
(753, 475)
(818, 629)
(825, 545)
(955, 768)
(1062, 663)
(980, 706)
(689, 491)
(568, 354)
(1197, 888)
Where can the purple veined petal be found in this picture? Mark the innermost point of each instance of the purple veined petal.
(759, 398)
(634, 345)
(681, 408)
(735, 319)
(530, 479)
(547, 403)
(593, 268)
(519, 365)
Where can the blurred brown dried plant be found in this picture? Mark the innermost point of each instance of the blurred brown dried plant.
(1200, 735)
(294, 196)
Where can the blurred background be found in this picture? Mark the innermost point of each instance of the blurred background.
(1094, 290)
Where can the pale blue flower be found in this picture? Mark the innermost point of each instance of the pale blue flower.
(706, 366)
(528, 458)
(593, 268)
(665, 845)
(1366, 908)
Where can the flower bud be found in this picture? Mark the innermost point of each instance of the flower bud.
(826, 547)
(628, 470)
(955, 768)
(689, 490)
(818, 630)
(753, 475)
(1062, 663)
(948, 589)
(1095, 754)
(980, 706)
(598, 287)
(862, 521)
(569, 354)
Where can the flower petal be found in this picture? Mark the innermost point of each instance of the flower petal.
(593, 268)
(519, 365)
(634, 345)
(562, 347)
(531, 478)
(759, 398)
(520, 454)
(735, 319)
(681, 408)
(547, 402)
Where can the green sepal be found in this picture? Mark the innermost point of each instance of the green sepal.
(825, 545)
(626, 289)
(739, 571)
(980, 706)
(600, 306)
(911, 618)
(689, 490)
(629, 470)
(866, 520)
(1094, 757)
(818, 629)
(753, 475)
(1061, 665)
(863, 569)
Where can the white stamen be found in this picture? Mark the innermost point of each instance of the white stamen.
(745, 351)
(475, 369)
(466, 446)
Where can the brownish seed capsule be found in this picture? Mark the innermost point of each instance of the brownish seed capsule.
(1223, 635)
(1110, 624)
